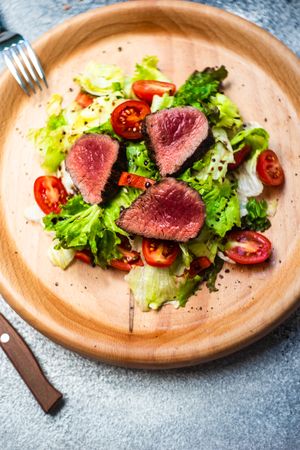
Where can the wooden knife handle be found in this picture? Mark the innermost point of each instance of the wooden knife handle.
(25, 363)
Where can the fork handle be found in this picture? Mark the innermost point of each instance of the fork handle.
(25, 363)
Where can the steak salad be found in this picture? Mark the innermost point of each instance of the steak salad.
(153, 180)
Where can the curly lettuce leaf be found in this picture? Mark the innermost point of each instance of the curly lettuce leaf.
(139, 161)
(257, 215)
(211, 274)
(199, 88)
(101, 79)
(229, 116)
(113, 208)
(105, 128)
(80, 226)
(214, 164)
(221, 202)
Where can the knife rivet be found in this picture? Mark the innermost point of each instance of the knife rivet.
(4, 338)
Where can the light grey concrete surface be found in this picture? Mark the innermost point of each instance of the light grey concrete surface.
(248, 401)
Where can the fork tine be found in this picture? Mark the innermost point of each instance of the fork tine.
(13, 50)
(28, 65)
(35, 62)
(14, 72)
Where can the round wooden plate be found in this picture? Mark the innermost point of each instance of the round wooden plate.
(87, 309)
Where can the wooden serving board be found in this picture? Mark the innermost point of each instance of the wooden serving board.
(87, 309)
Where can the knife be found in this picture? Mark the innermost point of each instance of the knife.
(26, 364)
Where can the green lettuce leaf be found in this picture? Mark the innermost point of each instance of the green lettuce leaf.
(207, 243)
(229, 116)
(80, 226)
(161, 102)
(199, 88)
(113, 208)
(221, 202)
(101, 79)
(139, 161)
(215, 162)
(211, 274)
(256, 218)
(148, 70)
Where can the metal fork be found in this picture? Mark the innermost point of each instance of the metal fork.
(21, 61)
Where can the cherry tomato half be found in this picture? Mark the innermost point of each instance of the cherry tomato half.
(84, 100)
(159, 253)
(239, 157)
(198, 265)
(129, 258)
(127, 118)
(49, 193)
(146, 89)
(84, 256)
(248, 247)
(136, 181)
(269, 168)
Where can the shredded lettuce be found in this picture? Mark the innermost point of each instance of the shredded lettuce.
(101, 79)
(161, 102)
(139, 161)
(256, 218)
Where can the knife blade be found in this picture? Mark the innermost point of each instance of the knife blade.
(26, 364)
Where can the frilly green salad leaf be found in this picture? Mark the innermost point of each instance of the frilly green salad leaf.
(199, 87)
(229, 116)
(139, 161)
(257, 215)
(161, 102)
(82, 226)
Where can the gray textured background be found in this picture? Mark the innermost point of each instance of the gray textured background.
(247, 401)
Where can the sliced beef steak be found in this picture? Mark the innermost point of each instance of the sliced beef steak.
(177, 137)
(95, 163)
(168, 210)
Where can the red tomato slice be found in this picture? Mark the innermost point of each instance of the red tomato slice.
(248, 247)
(198, 265)
(127, 118)
(136, 181)
(159, 253)
(49, 193)
(84, 100)
(84, 256)
(129, 258)
(240, 157)
(269, 168)
(146, 89)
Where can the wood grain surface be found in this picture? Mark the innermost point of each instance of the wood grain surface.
(87, 309)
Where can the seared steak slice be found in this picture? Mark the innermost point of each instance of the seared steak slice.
(176, 137)
(95, 163)
(168, 210)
